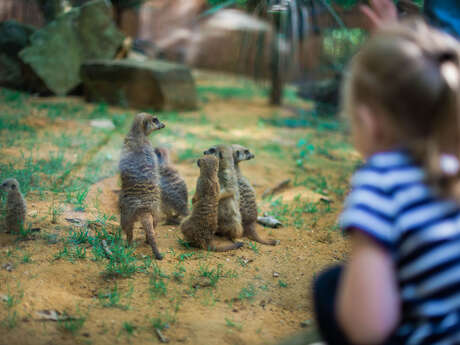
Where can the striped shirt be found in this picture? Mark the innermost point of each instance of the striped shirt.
(391, 203)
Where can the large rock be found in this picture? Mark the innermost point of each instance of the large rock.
(13, 73)
(150, 84)
(58, 50)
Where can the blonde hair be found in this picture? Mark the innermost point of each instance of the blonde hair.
(411, 72)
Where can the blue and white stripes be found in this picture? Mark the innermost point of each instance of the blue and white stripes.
(391, 203)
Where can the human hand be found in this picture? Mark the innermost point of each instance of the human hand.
(380, 13)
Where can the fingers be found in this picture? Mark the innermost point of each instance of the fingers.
(380, 12)
(372, 17)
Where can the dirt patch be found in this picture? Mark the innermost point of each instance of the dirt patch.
(255, 295)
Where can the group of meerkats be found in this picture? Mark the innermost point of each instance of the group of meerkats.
(224, 202)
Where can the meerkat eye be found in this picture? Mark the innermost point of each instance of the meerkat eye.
(13, 186)
(246, 152)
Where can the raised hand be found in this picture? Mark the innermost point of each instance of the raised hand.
(380, 13)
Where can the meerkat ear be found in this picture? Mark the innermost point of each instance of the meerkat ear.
(221, 156)
(144, 125)
(238, 154)
(198, 162)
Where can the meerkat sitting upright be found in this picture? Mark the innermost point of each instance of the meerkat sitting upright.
(140, 194)
(248, 203)
(15, 205)
(174, 197)
(230, 224)
(199, 228)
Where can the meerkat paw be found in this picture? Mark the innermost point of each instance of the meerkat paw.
(158, 256)
(239, 245)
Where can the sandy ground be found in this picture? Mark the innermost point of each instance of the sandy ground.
(262, 294)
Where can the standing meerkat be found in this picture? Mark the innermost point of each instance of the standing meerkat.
(248, 203)
(140, 194)
(174, 197)
(199, 228)
(230, 224)
(15, 205)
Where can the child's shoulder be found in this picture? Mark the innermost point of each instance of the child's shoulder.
(387, 171)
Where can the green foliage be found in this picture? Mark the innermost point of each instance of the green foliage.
(122, 263)
(72, 325)
(233, 324)
(228, 92)
(179, 273)
(157, 283)
(79, 236)
(214, 274)
(26, 259)
(254, 247)
(162, 321)
(11, 301)
(128, 327)
(248, 292)
(186, 154)
(71, 253)
(112, 297)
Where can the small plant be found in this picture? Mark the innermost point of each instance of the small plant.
(71, 325)
(54, 210)
(80, 197)
(71, 253)
(158, 323)
(233, 324)
(13, 300)
(183, 243)
(282, 283)
(247, 293)
(122, 263)
(24, 234)
(157, 284)
(79, 237)
(26, 259)
(185, 256)
(178, 274)
(111, 299)
(254, 247)
(128, 327)
(213, 274)
(11, 319)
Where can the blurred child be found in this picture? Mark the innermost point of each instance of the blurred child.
(402, 282)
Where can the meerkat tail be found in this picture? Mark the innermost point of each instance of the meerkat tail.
(224, 247)
(251, 233)
(147, 224)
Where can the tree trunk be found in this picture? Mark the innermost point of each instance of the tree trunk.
(276, 78)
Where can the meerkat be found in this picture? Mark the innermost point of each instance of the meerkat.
(248, 203)
(15, 205)
(229, 221)
(140, 194)
(174, 197)
(199, 227)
